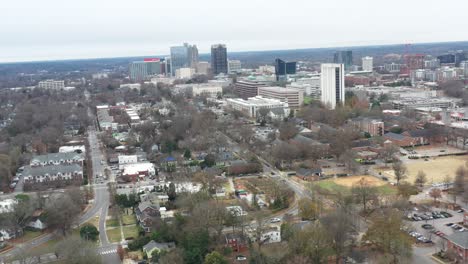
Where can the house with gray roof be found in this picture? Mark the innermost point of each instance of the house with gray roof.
(153, 247)
(57, 159)
(52, 176)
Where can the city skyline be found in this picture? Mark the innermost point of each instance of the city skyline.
(105, 29)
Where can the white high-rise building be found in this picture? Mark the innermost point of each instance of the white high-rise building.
(234, 66)
(367, 64)
(332, 84)
(51, 85)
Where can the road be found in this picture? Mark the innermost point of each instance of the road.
(101, 203)
(99, 208)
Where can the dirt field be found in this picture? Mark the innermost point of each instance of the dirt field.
(436, 169)
(351, 180)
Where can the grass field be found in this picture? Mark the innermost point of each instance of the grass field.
(112, 222)
(436, 169)
(343, 185)
(130, 231)
(128, 219)
(114, 235)
(351, 180)
(29, 234)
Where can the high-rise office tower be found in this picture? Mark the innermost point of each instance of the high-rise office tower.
(283, 68)
(345, 57)
(142, 70)
(332, 84)
(193, 57)
(185, 56)
(367, 64)
(219, 62)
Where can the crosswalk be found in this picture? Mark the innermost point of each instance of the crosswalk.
(107, 252)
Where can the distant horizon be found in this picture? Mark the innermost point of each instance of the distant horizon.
(229, 52)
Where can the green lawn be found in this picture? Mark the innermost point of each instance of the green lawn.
(112, 223)
(333, 188)
(128, 219)
(330, 186)
(114, 235)
(307, 100)
(130, 231)
(30, 234)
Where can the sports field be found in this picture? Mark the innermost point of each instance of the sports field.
(436, 169)
(351, 180)
(344, 184)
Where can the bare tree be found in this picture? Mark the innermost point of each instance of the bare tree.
(288, 130)
(421, 179)
(340, 229)
(400, 170)
(435, 193)
(77, 251)
(388, 153)
(62, 212)
(364, 192)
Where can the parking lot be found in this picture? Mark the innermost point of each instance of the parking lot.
(433, 224)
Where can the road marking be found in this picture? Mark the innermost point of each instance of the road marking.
(108, 252)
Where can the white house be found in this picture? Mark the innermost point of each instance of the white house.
(271, 235)
(7, 205)
(37, 223)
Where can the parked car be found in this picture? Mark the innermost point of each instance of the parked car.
(275, 220)
(449, 224)
(427, 226)
(240, 258)
(446, 214)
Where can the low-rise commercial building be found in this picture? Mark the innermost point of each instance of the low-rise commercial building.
(251, 106)
(411, 103)
(51, 85)
(209, 90)
(293, 97)
(247, 89)
(184, 73)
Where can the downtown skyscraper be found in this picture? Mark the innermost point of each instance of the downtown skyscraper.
(332, 84)
(219, 62)
(345, 57)
(185, 56)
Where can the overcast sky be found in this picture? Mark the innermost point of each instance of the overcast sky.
(61, 29)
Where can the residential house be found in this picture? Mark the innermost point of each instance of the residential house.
(52, 176)
(270, 234)
(7, 205)
(57, 159)
(236, 242)
(146, 214)
(37, 220)
(309, 174)
(7, 234)
(154, 247)
(169, 163)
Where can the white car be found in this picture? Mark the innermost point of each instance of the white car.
(275, 220)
